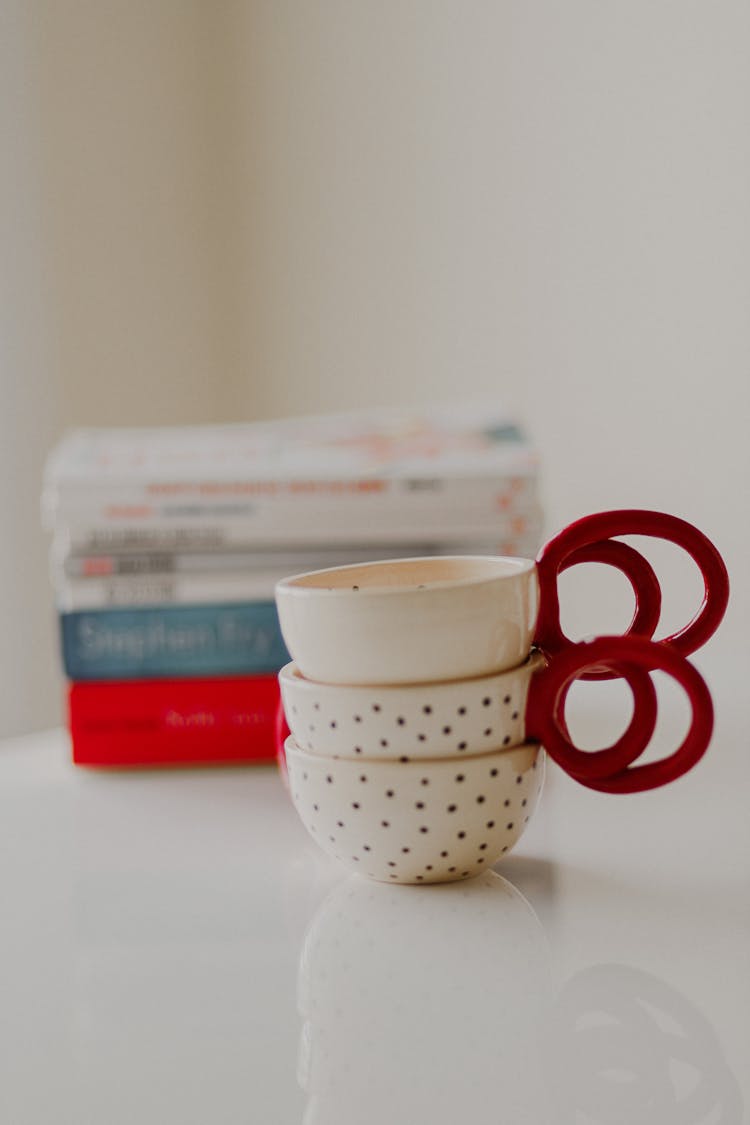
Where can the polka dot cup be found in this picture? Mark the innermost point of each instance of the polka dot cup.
(429, 821)
(437, 720)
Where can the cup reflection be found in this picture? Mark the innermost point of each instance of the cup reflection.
(422, 1005)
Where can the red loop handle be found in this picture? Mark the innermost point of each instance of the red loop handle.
(640, 574)
(545, 711)
(586, 535)
(611, 770)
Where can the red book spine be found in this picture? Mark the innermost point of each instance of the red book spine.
(174, 722)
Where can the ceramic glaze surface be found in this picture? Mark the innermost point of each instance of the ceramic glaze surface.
(416, 822)
(434, 720)
(416, 621)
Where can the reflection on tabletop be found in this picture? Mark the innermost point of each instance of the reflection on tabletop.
(622, 1046)
(421, 1004)
(440, 1005)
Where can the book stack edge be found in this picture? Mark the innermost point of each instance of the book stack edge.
(168, 542)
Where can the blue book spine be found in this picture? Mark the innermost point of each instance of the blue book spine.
(199, 640)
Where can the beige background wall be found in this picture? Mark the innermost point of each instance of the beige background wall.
(236, 210)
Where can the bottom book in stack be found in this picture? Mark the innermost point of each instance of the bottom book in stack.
(173, 721)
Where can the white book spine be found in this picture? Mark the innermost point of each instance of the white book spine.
(522, 540)
(266, 505)
(232, 560)
(317, 529)
(107, 593)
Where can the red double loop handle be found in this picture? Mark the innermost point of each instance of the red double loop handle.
(611, 770)
(591, 540)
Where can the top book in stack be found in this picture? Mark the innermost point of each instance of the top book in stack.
(463, 476)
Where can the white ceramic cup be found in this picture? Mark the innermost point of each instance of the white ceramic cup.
(435, 720)
(450, 618)
(410, 620)
(428, 821)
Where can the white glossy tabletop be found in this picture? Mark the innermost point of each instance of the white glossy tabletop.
(175, 949)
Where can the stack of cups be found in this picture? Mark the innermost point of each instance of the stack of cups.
(423, 690)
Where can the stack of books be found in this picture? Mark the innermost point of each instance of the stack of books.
(167, 544)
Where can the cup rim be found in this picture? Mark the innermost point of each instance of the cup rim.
(306, 584)
(291, 674)
(292, 746)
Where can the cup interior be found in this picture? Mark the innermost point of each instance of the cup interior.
(411, 574)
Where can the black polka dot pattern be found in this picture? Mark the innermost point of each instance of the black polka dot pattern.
(416, 821)
(428, 721)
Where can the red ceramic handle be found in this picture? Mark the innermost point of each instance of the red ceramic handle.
(642, 578)
(611, 770)
(585, 540)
